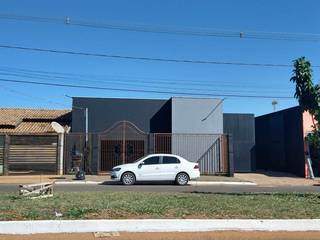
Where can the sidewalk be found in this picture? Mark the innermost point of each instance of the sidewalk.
(29, 179)
(276, 179)
(97, 179)
(230, 235)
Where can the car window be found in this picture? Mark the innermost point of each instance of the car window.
(170, 160)
(151, 160)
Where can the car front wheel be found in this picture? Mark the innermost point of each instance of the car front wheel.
(182, 179)
(128, 178)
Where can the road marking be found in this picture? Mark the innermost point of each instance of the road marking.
(157, 225)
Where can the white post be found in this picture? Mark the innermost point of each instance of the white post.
(61, 140)
(87, 124)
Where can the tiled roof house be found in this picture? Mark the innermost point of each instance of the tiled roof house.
(18, 120)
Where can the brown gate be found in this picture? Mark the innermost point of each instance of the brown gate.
(33, 154)
(122, 143)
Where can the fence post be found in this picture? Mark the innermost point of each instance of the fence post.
(6, 155)
(230, 155)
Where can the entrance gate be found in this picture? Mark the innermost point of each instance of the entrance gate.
(122, 143)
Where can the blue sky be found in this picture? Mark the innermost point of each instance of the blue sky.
(268, 16)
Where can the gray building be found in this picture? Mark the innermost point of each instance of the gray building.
(176, 115)
(122, 130)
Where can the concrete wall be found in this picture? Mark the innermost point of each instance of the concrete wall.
(242, 129)
(104, 112)
(195, 115)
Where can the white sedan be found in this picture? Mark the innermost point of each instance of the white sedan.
(157, 167)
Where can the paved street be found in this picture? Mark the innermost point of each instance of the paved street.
(161, 187)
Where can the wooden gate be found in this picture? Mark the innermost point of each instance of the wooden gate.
(33, 154)
(122, 143)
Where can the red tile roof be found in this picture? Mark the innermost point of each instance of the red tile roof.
(17, 120)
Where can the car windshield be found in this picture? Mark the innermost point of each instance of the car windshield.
(138, 159)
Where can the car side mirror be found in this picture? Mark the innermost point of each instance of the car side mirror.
(140, 165)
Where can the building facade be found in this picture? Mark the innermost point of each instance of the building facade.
(28, 143)
(122, 130)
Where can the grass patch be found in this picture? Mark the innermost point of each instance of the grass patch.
(96, 205)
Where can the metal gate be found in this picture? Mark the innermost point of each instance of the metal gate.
(122, 143)
(31, 154)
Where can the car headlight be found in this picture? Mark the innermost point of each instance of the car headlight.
(116, 169)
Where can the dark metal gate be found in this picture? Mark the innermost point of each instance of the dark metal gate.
(122, 143)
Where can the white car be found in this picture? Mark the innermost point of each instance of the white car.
(157, 167)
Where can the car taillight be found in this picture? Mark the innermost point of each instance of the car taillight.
(196, 166)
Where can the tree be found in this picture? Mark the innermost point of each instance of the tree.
(308, 96)
(306, 92)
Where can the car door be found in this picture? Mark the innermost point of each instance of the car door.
(170, 167)
(149, 169)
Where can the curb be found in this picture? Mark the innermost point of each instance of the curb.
(157, 225)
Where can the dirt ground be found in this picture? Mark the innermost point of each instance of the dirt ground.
(174, 236)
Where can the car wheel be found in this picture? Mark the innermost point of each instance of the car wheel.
(128, 178)
(182, 179)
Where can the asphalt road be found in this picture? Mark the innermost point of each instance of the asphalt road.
(161, 187)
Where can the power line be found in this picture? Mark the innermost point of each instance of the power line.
(135, 83)
(142, 90)
(171, 81)
(206, 32)
(127, 57)
(30, 96)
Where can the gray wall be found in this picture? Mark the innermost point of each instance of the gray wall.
(104, 112)
(188, 115)
(242, 129)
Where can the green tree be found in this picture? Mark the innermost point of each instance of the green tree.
(308, 96)
(306, 92)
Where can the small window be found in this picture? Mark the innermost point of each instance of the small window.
(151, 161)
(170, 160)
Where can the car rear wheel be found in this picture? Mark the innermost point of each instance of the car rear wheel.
(128, 178)
(182, 179)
